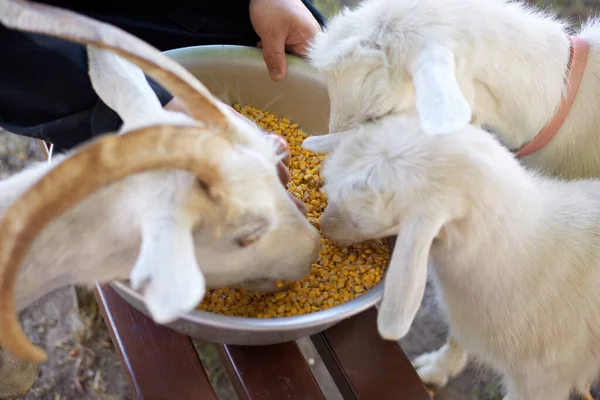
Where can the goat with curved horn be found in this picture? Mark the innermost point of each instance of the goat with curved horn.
(172, 236)
(157, 147)
(88, 216)
(52, 21)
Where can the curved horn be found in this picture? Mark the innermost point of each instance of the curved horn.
(64, 24)
(193, 149)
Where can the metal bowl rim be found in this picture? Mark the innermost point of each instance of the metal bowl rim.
(279, 324)
(295, 64)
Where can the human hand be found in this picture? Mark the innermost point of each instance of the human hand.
(282, 25)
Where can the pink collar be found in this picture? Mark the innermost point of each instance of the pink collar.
(577, 62)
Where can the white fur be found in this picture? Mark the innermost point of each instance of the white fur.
(509, 61)
(123, 88)
(438, 366)
(516, 254)
(100, 238)
(161, 229)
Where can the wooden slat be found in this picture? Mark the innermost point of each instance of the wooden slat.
(366, 367)
(277, 372)
(161, 363)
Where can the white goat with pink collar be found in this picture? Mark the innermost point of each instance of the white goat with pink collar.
(516, 254)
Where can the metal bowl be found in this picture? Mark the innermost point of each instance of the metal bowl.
(239, 75)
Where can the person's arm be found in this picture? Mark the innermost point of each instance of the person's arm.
(46, 93)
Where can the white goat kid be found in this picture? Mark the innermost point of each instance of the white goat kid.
(214, 214)
(516, 254)
(501, 63)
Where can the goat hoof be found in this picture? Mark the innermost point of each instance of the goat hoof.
(433, 376)
(430, 368)
(437, 367)
(16, 376)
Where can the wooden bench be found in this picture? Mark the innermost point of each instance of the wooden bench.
(162, 364)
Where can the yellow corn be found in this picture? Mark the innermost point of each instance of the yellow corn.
(340, 275)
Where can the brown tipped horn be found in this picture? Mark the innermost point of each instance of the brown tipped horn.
(52, 21)
(189, 148)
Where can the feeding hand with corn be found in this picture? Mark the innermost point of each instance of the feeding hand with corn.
(339, 275)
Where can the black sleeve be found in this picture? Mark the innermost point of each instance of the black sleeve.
(46, 93)
(315, 12)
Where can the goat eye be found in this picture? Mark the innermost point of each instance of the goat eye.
(374, 118)
(371, 119)
(254, 236)
(249, 239)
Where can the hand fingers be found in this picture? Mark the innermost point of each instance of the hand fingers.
(283, 173)
(302, 38)
(274, 56)
(282, 148)
(299, 49)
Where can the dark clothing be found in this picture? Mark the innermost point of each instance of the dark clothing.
(45, 91)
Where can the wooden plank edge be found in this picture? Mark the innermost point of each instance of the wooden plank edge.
(339, 346)
(269, 372)
(140, 330)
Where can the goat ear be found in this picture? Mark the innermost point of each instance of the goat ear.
(121, 85)
(322, 143)
(441, 105)
(406, 276)
(168, 270)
